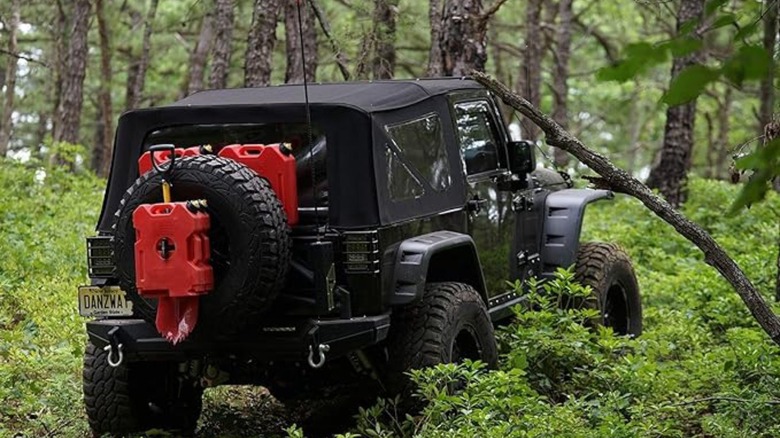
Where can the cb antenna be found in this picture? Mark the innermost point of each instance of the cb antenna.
(309, 134)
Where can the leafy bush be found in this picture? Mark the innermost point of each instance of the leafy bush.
(701, 368)
(45, 213)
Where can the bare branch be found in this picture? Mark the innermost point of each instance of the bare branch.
(619, 180)
(24, 57)
(341, 60)
(493, 9)
(602, 39)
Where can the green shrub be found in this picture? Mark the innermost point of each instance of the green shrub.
(702, 367)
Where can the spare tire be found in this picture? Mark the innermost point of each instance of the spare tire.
(249, 236)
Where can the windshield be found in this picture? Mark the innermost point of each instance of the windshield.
(304, 150)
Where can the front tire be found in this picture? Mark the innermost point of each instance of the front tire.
(135, 397)
(449, 324)
(608, 270)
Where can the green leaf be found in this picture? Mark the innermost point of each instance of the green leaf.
(713, 5)
(746, 31)
(638, 58)
(689, 84)
(682, 46)
(749, 63)
(723, 20)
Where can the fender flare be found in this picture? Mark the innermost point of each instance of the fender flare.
(564, 211)
(422, 259)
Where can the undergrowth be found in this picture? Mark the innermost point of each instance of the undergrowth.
(702, 367)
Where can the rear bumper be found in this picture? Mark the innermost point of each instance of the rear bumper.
(290, 341)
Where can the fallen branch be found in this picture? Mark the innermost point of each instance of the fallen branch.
(620, 181)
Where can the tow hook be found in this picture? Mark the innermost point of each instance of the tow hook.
(114, 349)
(321, 349)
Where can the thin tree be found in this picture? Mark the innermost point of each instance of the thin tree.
(463, 40)
(199, 54)
(72, 94)
(385, 15)
(223, 44)
(293, 40)
(6, 123)
(136, 89)
(671, 172)
(434, 56)
(561, 73)
(59, 61)
(260, 43)
(101, 155)
(341, 58)
(767, 89)
(529, 79)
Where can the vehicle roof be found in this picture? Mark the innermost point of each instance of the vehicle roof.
(367, 96)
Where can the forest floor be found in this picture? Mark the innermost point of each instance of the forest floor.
(702, 367)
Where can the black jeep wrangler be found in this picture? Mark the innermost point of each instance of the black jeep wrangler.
(415, 210)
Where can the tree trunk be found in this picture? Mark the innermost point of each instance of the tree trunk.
(561, 74)
(463, 41)
(385, 12)
(200, 53)
(133, 62)
(529, 81)
(59, 62)
(307, 36)
(102, 156)
(260, 43)
(620, 181)
(142, 63)
(223, 44)
(435, 67)
(722, 144)
(671, 173)
(72, 95)
(6, 124)
(767, 90)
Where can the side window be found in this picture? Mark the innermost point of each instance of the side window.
(417, 154)
(477, 136)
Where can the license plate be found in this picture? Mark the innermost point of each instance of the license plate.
(103, 301)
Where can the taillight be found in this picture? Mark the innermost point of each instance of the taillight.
(100, 257)
(361, 252)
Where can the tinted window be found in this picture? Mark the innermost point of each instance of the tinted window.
(478, 141)
(420, 143)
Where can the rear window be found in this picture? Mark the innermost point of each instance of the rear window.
(219, 136)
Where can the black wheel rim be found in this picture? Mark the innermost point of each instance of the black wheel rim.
(466, 346)
(616, 312)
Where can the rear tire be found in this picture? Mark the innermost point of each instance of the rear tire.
(608, 270)
(135, 397)
(249, 237)
(449, 324)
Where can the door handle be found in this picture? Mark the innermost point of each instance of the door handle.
(475, 204)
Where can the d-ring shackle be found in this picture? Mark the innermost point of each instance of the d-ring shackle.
(321, 349)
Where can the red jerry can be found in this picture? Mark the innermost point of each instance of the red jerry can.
(274, 165)
(172, 263)
(145, 162)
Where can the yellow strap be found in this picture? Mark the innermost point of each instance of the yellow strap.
(166, 192)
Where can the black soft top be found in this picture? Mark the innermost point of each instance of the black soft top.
(367, 96)
(353, 115)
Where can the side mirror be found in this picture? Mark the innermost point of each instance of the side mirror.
(522, 159)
